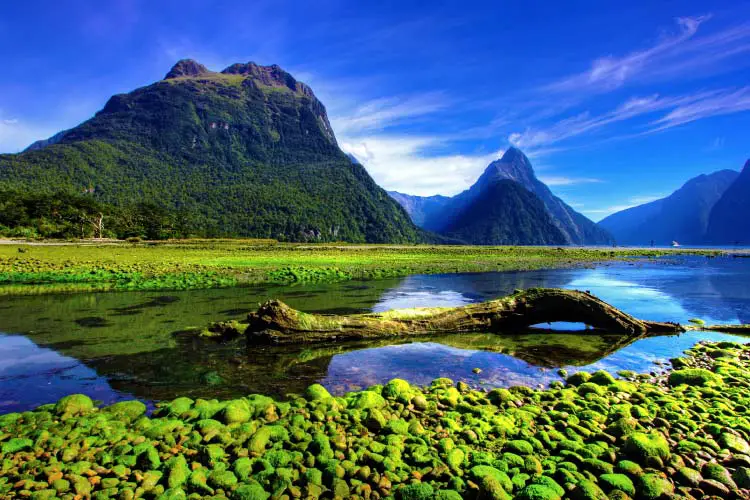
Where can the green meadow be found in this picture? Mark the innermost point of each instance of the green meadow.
(193, 264)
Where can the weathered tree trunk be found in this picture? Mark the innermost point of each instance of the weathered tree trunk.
(277, 323)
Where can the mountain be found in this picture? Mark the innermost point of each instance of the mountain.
(682, 216)
(445, 215)
(421, 208)
(505, 213)
(728, 222)
(247, 151)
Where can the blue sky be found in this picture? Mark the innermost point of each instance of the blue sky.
(616, 103)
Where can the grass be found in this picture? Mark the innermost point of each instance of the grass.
(191, 264)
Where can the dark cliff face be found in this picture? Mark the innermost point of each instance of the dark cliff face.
(682, 216)
(248, 151)
(729, 222)
(514, 167)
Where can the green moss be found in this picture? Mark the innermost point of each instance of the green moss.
(317, 392)
(419, 491)
(73, 405)
(538, 492)
(479, 471)
(252, 491)
(520, 447)
(368, 399)
(588, 490)
(694, 377)
(17, 444)
(654, 486)
(642, 446)
(602, 377)
(621, 482)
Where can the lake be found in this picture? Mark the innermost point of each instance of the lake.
(123, 345)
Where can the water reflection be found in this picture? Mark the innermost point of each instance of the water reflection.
(120, 345)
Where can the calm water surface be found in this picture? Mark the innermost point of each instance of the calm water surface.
(115, 346)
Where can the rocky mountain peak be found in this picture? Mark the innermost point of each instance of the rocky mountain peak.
(514, 166)
(271, 76)
(187, 67)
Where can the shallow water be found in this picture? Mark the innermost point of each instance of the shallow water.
(121, 345)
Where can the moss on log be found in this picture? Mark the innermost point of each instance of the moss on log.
(277, 323)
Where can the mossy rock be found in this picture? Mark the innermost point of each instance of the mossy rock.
(252, 491)
(538, 492)
(587, 490)
(602, 377)
(317, 392)
(369, 399)
(398, 389)
(14, 445)
(643, 446)
(74, 405)
(578, 378)
(697, 377)
(418, 491)
(654, 486)
(688, 477)
(479, 471)
(621, 482)
(734, 443)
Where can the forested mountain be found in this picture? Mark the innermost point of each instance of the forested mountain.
(682, 216)
(729, 222)
(504, 213)
(247, 151)
(445, 216)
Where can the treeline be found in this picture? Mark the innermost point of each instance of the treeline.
(69, 215)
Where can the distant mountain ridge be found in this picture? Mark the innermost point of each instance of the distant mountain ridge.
(248, 151)
(729, 222)
(682, 216)
(444, 215)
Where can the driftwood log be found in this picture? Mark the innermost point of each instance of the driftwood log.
(277, 323)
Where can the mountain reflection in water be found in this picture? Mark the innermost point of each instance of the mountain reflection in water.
(121, 345)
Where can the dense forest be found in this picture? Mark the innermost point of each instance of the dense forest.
(245, 152)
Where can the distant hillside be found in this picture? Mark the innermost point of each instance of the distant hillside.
(445, 215)
(247, 151)
(729, 222)
(505, 213)
(421, 208)
(682, 216)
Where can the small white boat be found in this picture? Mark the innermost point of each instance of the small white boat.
(675, 244)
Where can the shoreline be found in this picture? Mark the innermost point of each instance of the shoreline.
(200, 264)
(683, 432)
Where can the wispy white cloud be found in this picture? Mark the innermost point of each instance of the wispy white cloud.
(721, 103)
(678, 110)
(682, 53)
(559, 180)
(382, 113)
(403, 163)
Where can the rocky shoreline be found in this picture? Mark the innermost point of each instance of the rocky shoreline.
(683, 434)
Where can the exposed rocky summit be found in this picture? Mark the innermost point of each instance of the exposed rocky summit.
(187, 67)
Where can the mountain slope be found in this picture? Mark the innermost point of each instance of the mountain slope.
(248, 151)
(728, 222)
(505, 213)
(421, 208)
(682, 216)
(441, 214)
(515, 166)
